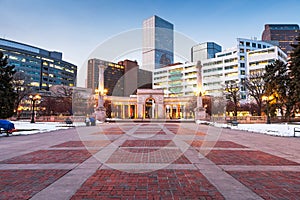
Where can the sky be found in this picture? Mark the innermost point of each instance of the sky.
(78, 27)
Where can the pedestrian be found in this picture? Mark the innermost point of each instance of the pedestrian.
(87, 121)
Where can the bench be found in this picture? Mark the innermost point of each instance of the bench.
(232, 122)
(296, 130)
(68, 121)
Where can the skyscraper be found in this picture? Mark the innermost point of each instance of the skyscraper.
(113, 73)
(158, 43)
(205, 51)
(285, 34)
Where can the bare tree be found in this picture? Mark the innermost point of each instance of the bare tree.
(255, 86)
(21, 87)
(232, 92)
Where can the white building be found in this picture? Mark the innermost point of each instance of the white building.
(176, 80)
(233, 65)
(258, 59)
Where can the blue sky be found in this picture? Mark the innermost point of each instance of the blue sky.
(77, 27)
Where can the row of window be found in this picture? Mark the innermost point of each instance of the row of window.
(253, 44)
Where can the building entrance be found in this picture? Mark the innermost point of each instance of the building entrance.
(150, 108)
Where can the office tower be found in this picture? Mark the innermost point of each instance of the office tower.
(158, 43)
(235, 64)
(112, 76)
(120, 79)
(135, 78)
(204, 51)
(285, 34)
(176, 80)
(42, 68)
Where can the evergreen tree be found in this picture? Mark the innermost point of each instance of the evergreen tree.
(295, 71)
(7, 94)
(279, 86)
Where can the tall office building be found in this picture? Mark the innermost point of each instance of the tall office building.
(42, 68)
(235, 64)
(176, 80)
(158, 43)
(120, 79)
(285, 34)
(112, 76)
(204, 51)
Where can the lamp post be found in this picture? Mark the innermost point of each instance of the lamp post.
(33, 100)
(266, 99)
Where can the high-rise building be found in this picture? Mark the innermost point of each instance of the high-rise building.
(120, 79)
(176, 80)
(42, 68)
(235, 64)
(112, 76)
(285, 34)
(135, 78)
(158, 43)
(204, 51)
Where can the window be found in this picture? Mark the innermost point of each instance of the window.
(248, 44)
(241, 43)
(242, 50)
(242, 72)
(259, 46)
(243, 96)
(254, 45)
(264, 46)
(242, 57)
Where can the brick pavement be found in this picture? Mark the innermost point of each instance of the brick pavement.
(149, 161)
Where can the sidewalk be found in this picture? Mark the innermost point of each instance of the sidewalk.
(149, 161)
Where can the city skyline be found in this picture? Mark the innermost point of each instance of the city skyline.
(76, 28)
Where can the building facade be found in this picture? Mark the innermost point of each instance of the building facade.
(285, 34)
(258, 59)
(158, 43)
(204, 51)
(119, 79)
(151, 104)
(176, 80)
(42, 68)
(235, 64)
(112, 77)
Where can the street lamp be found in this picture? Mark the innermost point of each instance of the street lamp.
(33, 100)
(266, 99)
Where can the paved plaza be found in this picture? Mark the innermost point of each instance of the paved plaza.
(149, 161)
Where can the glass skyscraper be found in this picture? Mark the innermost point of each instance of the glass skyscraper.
(158, 43)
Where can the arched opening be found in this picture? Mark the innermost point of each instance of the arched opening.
(150, 108)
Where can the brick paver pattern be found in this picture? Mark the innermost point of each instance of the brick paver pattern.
(50, 156)
(144, 155)
(215, 144)
(238, 157)
(148, 143)
(96, 143)
(271, 185)
(23, 184)
(159, 147)
(161, 184)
